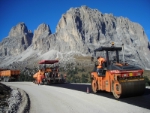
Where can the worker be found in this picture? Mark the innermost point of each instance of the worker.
(39, 80)
(40, 76)
(101, 60)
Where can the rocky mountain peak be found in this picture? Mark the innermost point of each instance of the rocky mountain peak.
(41, 32)
(19, 40)
(84, 29)
(20, 28)
(81, 30)
(42, 28)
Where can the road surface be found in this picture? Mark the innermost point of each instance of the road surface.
(72, 98)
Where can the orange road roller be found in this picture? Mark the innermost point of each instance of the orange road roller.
(116, 76)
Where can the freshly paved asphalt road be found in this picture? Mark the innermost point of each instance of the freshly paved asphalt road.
(72, 98)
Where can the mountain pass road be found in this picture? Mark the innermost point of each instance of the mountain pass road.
(73, 98)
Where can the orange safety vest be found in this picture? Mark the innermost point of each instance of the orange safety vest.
(100, 61)
(40, 76)
(39, 79)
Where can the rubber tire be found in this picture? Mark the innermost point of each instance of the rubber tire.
(94, 86)
(45, 83)
(8, 79)
(4, 79)
(114, 93)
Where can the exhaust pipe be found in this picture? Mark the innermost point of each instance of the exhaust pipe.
(123, 52)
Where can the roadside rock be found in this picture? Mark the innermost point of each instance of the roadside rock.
(4, 95)
(18, 102)
(13, 100)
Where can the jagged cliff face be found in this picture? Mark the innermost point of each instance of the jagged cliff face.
(149, 45)
(82, 30)
(90, 28)
(42, 32)
(18, 40)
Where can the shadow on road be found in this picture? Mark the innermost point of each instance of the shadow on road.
(141, 101)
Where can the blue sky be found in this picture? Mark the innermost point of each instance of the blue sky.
(35, 12)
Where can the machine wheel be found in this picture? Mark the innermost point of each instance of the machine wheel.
(41, 83)
(8, 79)
(117, 96)
(94, 86)
(54, 81)
(4, 79)
(46, 82)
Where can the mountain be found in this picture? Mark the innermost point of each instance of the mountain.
(18, 40)
(79, 31)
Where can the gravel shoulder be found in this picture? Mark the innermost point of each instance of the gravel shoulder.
(13, 100)
(19, 101)
(73, 98)
(4, 95)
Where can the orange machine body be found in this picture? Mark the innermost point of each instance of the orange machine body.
(9, 74)
(106, 81)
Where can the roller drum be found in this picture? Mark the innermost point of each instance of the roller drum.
(132, 88)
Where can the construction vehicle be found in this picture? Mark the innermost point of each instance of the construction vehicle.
(118, 77)
(49, 73)
(9, 75)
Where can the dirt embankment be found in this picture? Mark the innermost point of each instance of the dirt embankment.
(13, 100)
(4, 95)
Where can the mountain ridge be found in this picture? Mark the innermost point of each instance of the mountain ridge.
(81, 30)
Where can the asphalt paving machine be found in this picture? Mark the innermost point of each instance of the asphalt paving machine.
(49, 73)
